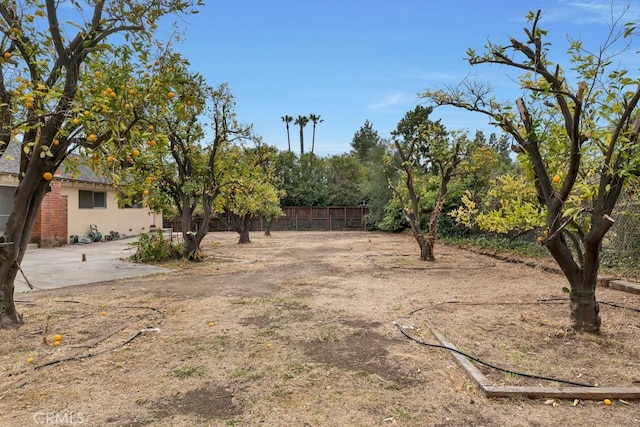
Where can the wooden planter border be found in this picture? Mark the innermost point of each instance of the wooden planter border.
(489, 390)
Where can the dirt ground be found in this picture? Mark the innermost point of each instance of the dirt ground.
(300, 329)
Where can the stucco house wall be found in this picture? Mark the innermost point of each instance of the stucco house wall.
(129, 221)
(76, 201)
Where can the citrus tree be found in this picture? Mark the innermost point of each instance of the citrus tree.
(576, 133)
(424, 150)
(46, 48)
(182, 167)
(251, 187)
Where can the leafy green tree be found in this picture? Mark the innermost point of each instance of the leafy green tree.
(301, 121)
(286, 168)
(577, 138)
(370, 149)
(250, 187)
(424, 149)
(345, 175)
(365, 140)
(177, 169)
(287, 120)
(45, 61)
(315, 119)
(311, 182)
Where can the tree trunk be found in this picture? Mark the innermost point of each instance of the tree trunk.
(267, 228)
(17, 234)
(313, 139)
(301, 141)
(584, 309)
(288, 138)
(242, 224)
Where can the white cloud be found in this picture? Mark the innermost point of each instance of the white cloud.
(583, 12)
(391, 100)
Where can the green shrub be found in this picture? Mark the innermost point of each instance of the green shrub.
(154, 248)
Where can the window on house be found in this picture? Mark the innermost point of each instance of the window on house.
(92, 199)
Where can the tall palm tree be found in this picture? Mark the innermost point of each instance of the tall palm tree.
(315, 119)
(302, 122)
(287, 120)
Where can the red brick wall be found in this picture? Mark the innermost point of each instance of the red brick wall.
(50, 228)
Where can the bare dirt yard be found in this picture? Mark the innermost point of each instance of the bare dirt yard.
(300, 329)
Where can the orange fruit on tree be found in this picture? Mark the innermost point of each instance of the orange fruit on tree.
(556, 179)
(539, 239)
(135, 152)
(127, 106)
(151, 128)
(87, 113)
(47, 176)
(92, 137)
(145, 192)
(151, 143)
(171, 95)
(132, 92)
(7, 55)
(111, 159)
(75, 121)
(56, 142)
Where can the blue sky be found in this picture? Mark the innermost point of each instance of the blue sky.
(355, 60)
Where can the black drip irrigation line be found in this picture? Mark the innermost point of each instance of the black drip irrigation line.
(610, 304)
(122, 344)
(401, 328)
(89, 355)
(539, 301)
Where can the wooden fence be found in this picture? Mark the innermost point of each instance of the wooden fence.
(297, 218)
